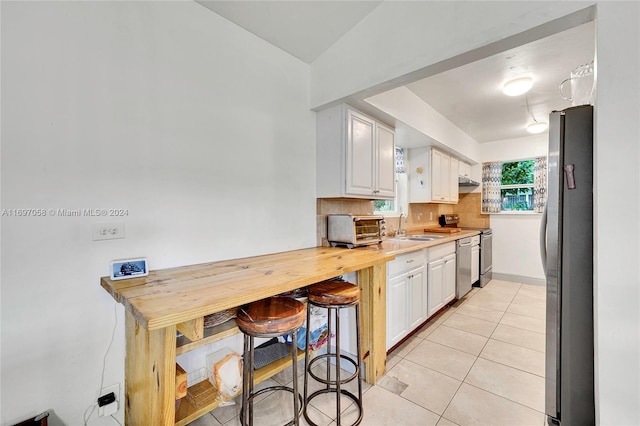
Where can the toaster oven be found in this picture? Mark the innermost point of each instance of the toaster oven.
(354, 231)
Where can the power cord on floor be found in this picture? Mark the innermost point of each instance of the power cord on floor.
(93, 406)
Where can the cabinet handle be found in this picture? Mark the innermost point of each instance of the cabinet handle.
(410, 260)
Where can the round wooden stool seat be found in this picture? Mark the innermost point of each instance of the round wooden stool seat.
(271, 317)
(333, 292)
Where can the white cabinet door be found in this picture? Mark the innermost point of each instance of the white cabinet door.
(417, 296)
(397, 319)
(449, 279)
(433, 176)
(435, 280)
(464, 169)
(475, 264)
(360, 154)
(439, 176)
(355, 155)
(453, 179)
(385, 162)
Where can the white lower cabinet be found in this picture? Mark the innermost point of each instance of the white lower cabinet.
(406, 295)
(418, 285)
(441, 276)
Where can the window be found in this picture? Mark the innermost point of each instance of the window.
(391, 206)
(516, 189)
(514, 186)
(384, 206)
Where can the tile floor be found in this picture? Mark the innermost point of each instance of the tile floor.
(480, 362)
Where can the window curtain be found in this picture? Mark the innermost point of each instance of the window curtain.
(540, 184)
(400, 166)
(491, 181)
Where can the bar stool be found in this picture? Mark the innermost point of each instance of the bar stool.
(272, 317)
(334, 295)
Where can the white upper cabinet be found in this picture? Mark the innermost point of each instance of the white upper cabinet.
(464, 169)
(386, 161)
(433, 176)
(453, 179)
(355, 155)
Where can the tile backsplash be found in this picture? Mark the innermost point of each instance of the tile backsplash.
(469, 209)
(325, 206)
(421, 215)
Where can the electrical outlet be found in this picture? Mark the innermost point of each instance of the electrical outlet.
(112, 408)
(107, 231)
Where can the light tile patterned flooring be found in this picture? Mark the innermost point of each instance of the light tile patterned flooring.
(480, 362)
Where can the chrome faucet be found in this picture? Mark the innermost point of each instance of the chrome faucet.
(400, 231)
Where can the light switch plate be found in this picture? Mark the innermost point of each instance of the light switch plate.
(107, 231)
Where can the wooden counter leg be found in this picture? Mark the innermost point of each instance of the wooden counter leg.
(373, 321)
(150, 374)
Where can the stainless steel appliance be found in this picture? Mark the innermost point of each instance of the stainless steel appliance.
(354, 231)
(566, 245)
(486, 256)
(463, 268)
(486, 249)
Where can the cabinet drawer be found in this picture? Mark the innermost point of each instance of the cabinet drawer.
(475, 240)
(405, 263)
(440, 251)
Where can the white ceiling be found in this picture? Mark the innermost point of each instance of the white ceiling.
(304, 28)
(470, 96)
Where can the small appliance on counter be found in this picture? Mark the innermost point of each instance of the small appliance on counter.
(354, 230)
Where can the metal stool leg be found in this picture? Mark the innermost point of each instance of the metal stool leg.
(338, 386)
(306, 362)
(358, 355)
(246, 363)
(251, 384)
(294, 368)
(329, 317)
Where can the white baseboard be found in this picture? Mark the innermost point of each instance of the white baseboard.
(519, 279)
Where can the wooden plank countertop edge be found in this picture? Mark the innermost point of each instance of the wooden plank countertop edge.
(171, 296)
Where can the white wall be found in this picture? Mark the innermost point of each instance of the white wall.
(395, 45)
(402, 41)
(516, 236)
(201, 130)
(407, 107)
(617, 204)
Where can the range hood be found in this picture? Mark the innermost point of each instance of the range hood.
(463, 181)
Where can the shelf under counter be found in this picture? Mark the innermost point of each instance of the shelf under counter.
(188, 412)
(165, 301)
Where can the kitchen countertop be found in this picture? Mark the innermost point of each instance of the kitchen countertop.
(171, 296)
(175, 295)
(392, 246)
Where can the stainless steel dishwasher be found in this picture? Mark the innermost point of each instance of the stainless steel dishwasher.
(486, 256)
(463, 275)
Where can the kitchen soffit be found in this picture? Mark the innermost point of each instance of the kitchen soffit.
(469, 96)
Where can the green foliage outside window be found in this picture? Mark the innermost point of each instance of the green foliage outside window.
(383, 206)
(517, 173)
(517, 185)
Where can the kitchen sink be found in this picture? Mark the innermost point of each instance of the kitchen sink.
(420, 237)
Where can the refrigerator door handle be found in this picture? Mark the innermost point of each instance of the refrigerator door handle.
(543, 240)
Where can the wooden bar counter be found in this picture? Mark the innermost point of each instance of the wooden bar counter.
(174, 299)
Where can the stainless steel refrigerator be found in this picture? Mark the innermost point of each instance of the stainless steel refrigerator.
(567, 254)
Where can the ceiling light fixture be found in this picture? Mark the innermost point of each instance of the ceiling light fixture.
(537, 126)
(518, 86)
